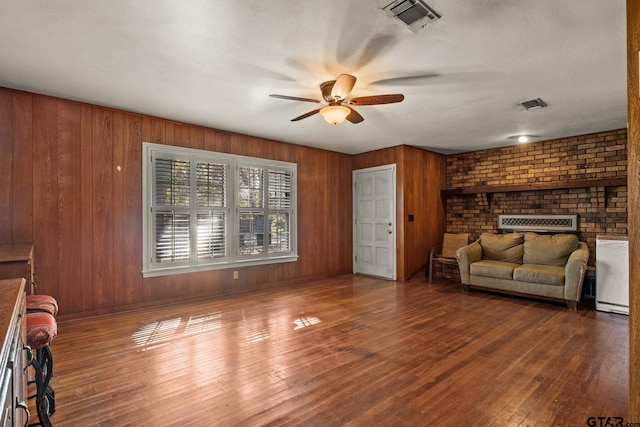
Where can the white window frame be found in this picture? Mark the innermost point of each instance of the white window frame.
(232, 258)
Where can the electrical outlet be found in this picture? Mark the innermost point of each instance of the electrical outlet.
(235, 274)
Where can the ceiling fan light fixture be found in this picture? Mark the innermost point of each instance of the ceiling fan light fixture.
(335, 114)
(334, 94)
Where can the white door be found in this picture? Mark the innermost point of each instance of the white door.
(374, 230)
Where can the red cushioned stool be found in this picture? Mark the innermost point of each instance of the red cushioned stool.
(41, 329)
(45, 303)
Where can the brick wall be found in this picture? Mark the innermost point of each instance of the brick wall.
(601, 210)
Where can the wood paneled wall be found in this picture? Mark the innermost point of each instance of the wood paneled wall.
(71, 184)
(633, 185)
(420, 175)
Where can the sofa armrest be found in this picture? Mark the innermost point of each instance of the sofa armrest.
(574, 272)
(466, 256)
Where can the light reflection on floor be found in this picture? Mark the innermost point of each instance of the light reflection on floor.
(305, 322)
(159, 333)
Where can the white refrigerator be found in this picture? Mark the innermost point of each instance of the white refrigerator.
(612, 274)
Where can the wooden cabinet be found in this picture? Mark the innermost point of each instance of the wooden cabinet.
(13, 355)
(16, 261)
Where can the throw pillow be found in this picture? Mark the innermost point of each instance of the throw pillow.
(549, 249)
(502, 247)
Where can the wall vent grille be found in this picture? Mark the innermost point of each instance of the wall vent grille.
(415, 14)
(550, 223)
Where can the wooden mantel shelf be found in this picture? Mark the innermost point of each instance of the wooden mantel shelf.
(538, 186)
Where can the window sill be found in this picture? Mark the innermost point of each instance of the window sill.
(218, 266)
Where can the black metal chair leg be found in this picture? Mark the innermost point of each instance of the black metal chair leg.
(42, 402)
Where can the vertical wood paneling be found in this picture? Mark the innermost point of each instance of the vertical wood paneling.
(180, 136)
(290, 153)
(6, 165)
(131, 228)
(69, 206)
(153, 130)
(238, 144)
(196, 136)
(340, 216)
(222, 142)
(424, 177)
(346, 212)
(22, 201)
(102, 207)
(85, 290)
(271, 149)
(119, 214)
(262, 148)
(332, 228)
(400, 213)
(169, 135)
(308, 211)
(45, 198)
(198, 283)
(633, 158)
(210, 138)
(372, 159)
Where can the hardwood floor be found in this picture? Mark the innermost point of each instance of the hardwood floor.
(347, 351)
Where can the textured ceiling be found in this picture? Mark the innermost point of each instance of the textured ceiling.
(214, 63)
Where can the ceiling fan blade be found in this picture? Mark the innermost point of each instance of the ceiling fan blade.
(354, 117)
(343, 86)
(326, 88)
(294, 98)
(304, 116)
(377, 99)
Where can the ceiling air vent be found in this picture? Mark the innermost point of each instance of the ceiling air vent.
(532, 104)
(415, 14)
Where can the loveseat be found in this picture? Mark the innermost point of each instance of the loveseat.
(545, 266)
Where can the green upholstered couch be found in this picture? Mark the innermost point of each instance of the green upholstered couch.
(545, 266)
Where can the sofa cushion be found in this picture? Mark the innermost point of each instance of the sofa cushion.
(543, 274)
(549, 249)
(502, 247)
(491, 268)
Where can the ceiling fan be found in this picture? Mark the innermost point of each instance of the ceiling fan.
(338, 106)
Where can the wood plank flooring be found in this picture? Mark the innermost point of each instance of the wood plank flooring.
(346, 351)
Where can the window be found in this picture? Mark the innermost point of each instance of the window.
(206, 210)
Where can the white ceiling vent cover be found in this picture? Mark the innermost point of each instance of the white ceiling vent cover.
(415, 14)
(532, 104)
